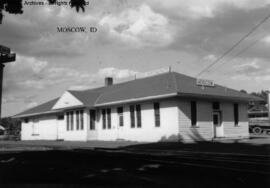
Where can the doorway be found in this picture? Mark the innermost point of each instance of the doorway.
(217, 123)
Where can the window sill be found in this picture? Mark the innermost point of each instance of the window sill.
(35, 134)
(196, 126)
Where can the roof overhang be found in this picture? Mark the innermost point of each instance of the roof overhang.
(219, 97)
(140, 99)
(37, 114)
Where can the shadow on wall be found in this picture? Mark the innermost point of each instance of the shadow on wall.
(194, 136)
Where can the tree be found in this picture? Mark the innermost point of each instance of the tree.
(243, 91)
(12, 126)
(16, 6)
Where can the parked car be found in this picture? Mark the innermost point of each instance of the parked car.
(259, 122)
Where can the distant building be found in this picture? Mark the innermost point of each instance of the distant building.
(161, 107)
(2, 130)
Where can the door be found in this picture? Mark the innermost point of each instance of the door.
(120, 124)
(217, 123)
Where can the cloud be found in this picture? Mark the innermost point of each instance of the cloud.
(32, 104)
(197, 9)
(72, 78)
(266, 39)
(25, 68)
(116, 73)
(34, 33)
(139, 26)
(210, 57)
(15, 98)
(252, 69)
(54, 76)
(248, 68)
(217, 34)
(29, 63)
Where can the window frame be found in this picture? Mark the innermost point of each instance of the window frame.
(132, 116)
(103, 114)
(71, 120)
(138, 116)
(120, 112)
(67, 121)
(236, 114)
(77, 119)
(157, 114)
(92, 119)
(193, 114)
(109, 118)
(81, 113)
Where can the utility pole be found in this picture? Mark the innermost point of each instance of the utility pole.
(268, 101)
(5, 57)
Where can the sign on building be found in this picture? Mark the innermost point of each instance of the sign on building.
(204, 82)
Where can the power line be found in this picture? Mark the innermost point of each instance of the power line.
(235, 45)
(246, 48)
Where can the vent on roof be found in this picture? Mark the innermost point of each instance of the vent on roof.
(108, 81)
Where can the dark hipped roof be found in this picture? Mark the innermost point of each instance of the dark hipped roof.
(158, 85)
(42, 108)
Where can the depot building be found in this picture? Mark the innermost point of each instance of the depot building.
(163, 107)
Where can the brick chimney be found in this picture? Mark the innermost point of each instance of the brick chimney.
(108, 81)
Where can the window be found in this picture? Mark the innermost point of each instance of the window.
(68, 121)
(138, 118)
(236, 114)
(104, 118)
(109, 118)
(26, 120)
(216, 106)
(35, 127)
(120, 116)
(193, 107)
(77, 120)
(138, 113)
(216, 119)
(60, 117)
(71, 120)
(157, 114)
(132, 116)
(92, 119)
(81, 119)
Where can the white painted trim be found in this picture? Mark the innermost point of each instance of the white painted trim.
(35, 114)
(102, 104)
(138, 99)
(70, 96)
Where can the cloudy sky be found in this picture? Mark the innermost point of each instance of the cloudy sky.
(134, 36)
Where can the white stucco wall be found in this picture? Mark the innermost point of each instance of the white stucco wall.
(48, 127)
(148, 132)
(230, 130)
(205, 129)
(175, 118)
(45, 128)
(76, 135)
(67, 100)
